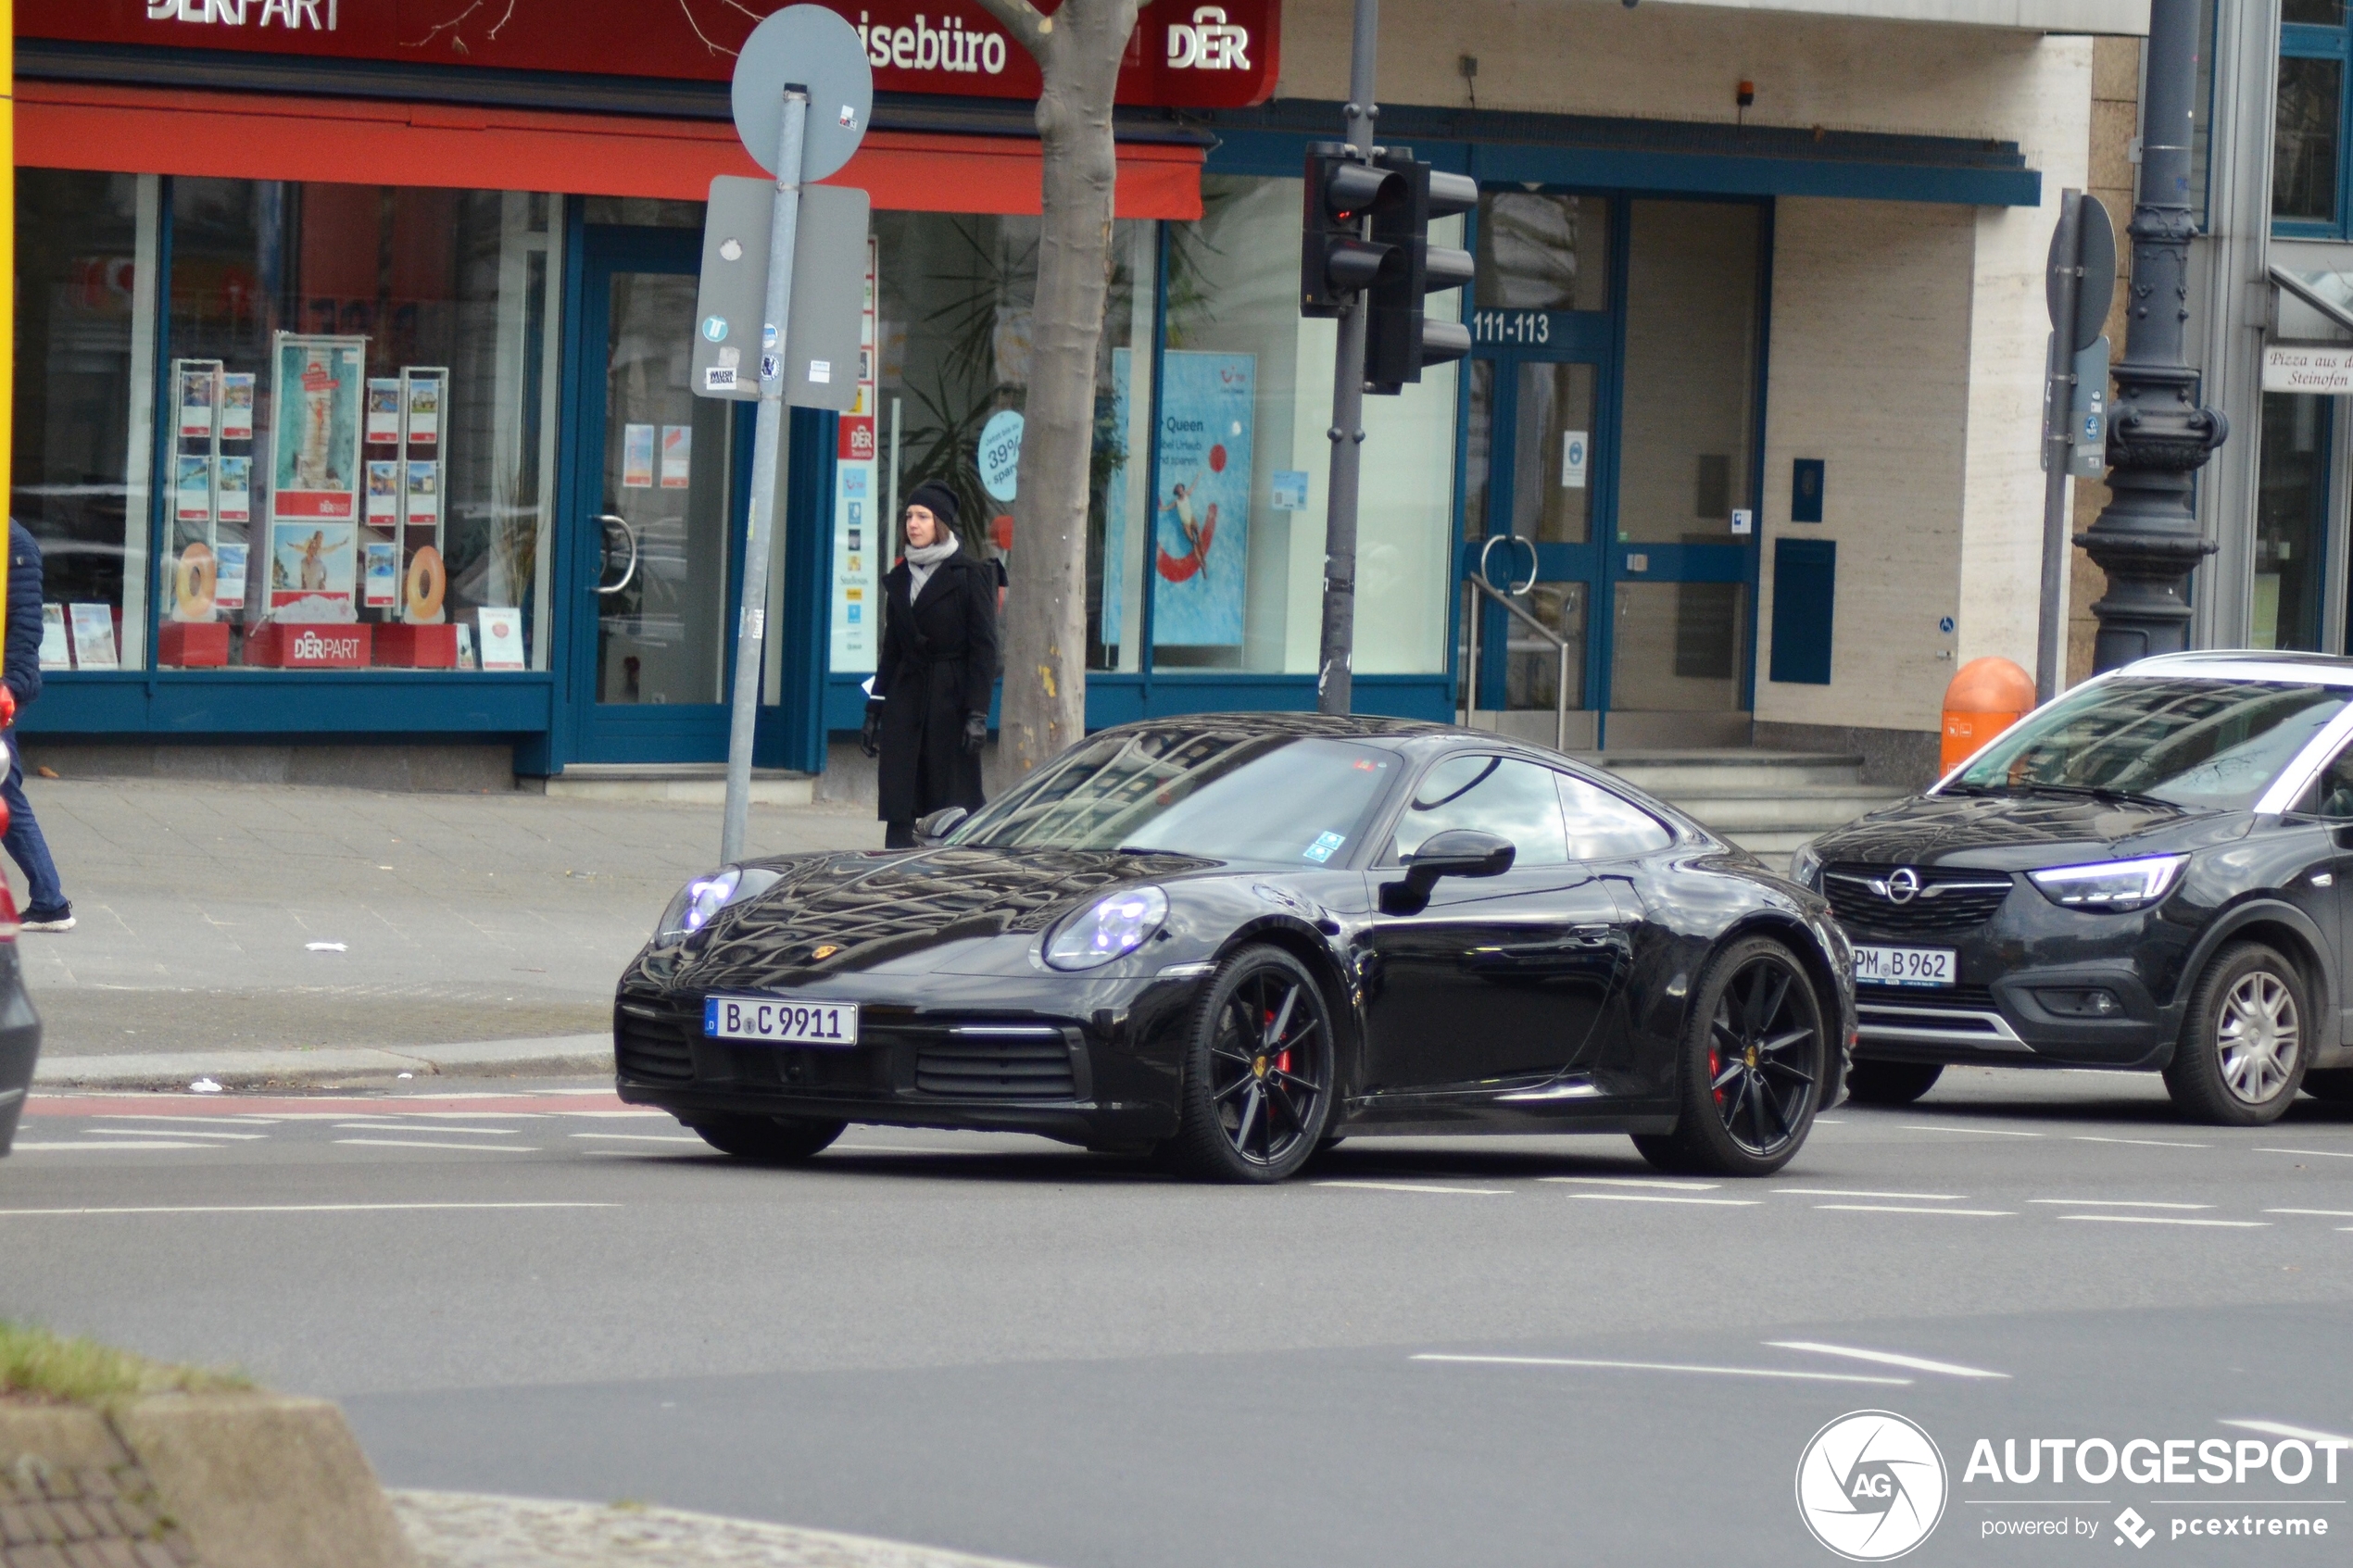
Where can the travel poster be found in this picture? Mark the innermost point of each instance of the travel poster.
(198, 377)
(425, 494)
(637, 457)
(1201, 513)
(425, 406)
(383, 410)
(313, 561)
(236, 489)
(192, 491)
(56, 651)
(382, 580)
(383, 491)
(229, 588)
(236, 407)
(93, 646)
(315, 464)
(677, 457)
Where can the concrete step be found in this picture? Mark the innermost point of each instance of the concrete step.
(677, 784)
(1669, 774)
(1812, 807)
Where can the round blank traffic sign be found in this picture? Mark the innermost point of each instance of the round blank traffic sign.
(814, 48)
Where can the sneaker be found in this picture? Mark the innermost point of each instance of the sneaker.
(57, 920)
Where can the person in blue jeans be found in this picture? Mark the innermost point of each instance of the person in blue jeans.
(45, 906)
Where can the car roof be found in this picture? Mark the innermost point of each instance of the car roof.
(2247, 664)
(1344, 726)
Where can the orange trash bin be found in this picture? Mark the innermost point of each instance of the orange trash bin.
(1986, 697)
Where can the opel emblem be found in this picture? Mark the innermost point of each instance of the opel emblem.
(1904, 885)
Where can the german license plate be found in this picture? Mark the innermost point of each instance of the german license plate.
(769, 1020)
(1904, 966)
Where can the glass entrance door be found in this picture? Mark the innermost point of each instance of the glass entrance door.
(655, 524)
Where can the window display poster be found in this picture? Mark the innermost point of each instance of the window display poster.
(56, 652)
(198, 380)
(383, 410)
(424, 492)
(677, 457)
(858, 569)
(383, 491)
(236, 407)
(425, 407)
(1115, 604)
(501, 637)
(93, 636)
(1201, 516)
(312, 566)
(379, 583)
(638, 457)
(465, 646)
(229, 586)
(316, 464)
(192, 492)
(236, 489)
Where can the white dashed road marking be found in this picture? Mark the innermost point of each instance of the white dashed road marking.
(1989, 1132)
(2323, 1153)
(1633, 1182)
(648, 1137)
(1415, 1186)
(418, 1142)
(2318, 1214)
(2279, 1429)
(1671, 1366)
(1841, 1192)
(2112, 1203)
(166, 1133)
(396, 1127)
(40, 1147)
(1885, 1358)
(2165, 1220)
(1899, 1209)
(2143, 1142)
(293, 1208)
(1662, 1198)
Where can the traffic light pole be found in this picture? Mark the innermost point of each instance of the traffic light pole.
(1333, 685)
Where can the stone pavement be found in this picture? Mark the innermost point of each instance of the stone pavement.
(458, 1530)
(292, 919)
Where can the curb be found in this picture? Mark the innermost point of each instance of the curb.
(465, 1530)
(567, 1056)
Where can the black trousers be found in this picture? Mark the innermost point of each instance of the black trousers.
(899, 836)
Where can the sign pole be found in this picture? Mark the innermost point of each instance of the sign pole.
(1334, 682)
(2058, 394)
(752, 625)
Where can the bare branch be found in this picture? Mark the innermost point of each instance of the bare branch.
(739, 5)
(1024, 20)
(707, 43)
(455, 25)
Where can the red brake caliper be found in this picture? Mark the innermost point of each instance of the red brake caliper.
(1715, 1067)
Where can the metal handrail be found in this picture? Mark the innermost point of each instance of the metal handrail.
(1560, 686)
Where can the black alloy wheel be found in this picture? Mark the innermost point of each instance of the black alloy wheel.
(1755, 1055)
(774, 1140)
(1891, 1083)
(2241, 1056)
(1258, 1077)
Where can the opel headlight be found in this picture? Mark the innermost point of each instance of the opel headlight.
(1112, 928)
(1806, 866)
(706, 895)
(2110, 885)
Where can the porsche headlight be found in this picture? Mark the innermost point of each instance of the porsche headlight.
(1108, 929)
(706, 895)
(2110, 885)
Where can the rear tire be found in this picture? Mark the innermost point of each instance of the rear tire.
(2334, 1084)
(772, 1140)
(2242, 1052)
(1891, 1082)
(1756, 1059)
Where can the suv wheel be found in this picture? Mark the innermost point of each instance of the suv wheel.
(1891, 1082)
(2241, 1055)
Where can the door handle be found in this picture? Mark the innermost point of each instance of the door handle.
(629, 533)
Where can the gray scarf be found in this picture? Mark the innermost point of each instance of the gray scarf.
(925, 560)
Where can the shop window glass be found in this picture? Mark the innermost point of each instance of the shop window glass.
(1236, 527)
(1540, 252)
(2291, 509)
(1685, 455)
(84, 410)
(372, 479)
(954, 332)
(2304, 145)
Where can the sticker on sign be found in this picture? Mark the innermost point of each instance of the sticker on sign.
(719, 378)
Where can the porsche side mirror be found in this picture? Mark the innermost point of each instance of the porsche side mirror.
(940, 824)
(1455, 852)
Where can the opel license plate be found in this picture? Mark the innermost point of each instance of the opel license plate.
(768, 1021)
(1904, 966)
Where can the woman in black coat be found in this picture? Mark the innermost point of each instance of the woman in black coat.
(930, 720)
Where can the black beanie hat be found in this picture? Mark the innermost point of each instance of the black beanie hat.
(935, 498)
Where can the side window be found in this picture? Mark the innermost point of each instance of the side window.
(1603, 827)
(2332, 794)
(1515, 800)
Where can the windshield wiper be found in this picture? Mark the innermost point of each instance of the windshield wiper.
(2100, 792)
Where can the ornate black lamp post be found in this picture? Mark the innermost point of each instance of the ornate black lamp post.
(2147, 539)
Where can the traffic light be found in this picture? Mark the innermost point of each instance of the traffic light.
(1398, 339)
(1336, 261)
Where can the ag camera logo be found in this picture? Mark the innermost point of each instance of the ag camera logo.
(1870, 1485)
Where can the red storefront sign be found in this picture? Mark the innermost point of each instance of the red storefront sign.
(1183, 54)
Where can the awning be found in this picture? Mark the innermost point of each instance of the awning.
(255, 136)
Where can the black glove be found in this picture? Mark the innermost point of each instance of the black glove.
(975, 734)
(870, 736)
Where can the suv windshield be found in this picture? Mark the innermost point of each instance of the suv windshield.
(1230, 795)
(2204, 745)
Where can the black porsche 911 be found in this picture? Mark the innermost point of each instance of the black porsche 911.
(1234, 939)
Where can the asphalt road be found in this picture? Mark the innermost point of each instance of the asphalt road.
(1503, 1351)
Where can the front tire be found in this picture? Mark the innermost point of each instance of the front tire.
(1258, 1073)
(772, 1140)
(2242, 1055)
(1756, 1055)
(1891, 1082)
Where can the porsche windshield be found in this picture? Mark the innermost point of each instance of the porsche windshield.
(2201, 745)
(1237, 795)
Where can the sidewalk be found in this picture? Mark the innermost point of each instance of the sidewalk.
(497, 923)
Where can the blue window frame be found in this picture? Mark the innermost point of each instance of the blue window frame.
(2310, 195)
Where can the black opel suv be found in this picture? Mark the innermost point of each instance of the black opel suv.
(2154, 871)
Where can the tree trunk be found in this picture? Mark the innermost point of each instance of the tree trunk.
(1079, 50)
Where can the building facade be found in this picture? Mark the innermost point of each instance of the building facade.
(353, 405)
